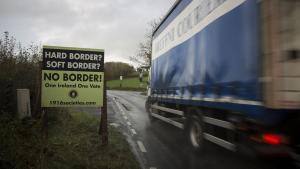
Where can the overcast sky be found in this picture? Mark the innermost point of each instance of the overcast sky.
(114, 25)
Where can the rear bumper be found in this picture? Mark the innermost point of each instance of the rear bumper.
(273, 151)
(296, 158)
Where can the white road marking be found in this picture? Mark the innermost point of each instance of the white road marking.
(133, 131)
(129, 124)
(152, 168)
(141, 146)
(114, 125)
(120, 108)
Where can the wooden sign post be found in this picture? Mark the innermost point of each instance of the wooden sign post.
(103, 123)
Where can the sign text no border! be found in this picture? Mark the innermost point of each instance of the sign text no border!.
(72, 77)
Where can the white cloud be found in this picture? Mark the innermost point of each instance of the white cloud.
(115, 25)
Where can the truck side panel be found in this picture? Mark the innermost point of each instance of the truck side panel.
(219, 61)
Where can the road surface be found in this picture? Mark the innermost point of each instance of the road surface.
(159, 145)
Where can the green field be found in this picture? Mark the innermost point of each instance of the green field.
(128, 84)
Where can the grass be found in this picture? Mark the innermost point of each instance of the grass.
(73, 143)
(20, 143)
(128, 84)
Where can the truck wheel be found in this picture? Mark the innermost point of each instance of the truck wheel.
(194, 133)
(148, 105)
(151, 118)
(149, 110)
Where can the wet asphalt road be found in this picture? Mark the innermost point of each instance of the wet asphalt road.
(159, 145)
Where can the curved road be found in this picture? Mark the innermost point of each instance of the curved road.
(159, 145)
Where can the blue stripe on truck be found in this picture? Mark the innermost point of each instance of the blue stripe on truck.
(223, 59)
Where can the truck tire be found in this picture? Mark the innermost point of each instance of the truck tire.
(149, 110)
(148, 105)
(194, 131)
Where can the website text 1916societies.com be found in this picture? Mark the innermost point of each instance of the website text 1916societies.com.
(71, 103)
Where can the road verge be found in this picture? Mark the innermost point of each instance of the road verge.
(73, 142)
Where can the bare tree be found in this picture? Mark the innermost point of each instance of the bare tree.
(143, 56)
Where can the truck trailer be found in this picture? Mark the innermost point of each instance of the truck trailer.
(228, 72)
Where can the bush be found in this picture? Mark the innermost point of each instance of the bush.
(19, 68)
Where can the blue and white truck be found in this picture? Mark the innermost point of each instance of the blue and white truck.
(228, 72)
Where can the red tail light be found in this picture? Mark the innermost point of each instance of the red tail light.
(273, 139)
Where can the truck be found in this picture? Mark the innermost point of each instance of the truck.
(228, 72)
